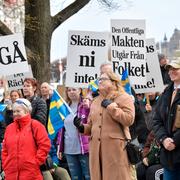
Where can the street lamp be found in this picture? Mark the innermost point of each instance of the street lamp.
(60, 72)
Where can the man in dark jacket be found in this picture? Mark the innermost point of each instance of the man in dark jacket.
(55, 167)
(166, 124)
(139, 128)
(46, 93)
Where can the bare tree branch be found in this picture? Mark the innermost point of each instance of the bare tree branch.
(115, 4)
(63, 15)
(4, 30)
(109, 4)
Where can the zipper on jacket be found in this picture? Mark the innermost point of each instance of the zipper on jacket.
(18, 154)
(81, 144)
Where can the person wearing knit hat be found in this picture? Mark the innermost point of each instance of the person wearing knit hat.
(25, 145)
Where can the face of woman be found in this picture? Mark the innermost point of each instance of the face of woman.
(73, 94)
(14, 95)
(19, 112)
(105, 84)
(28, 89)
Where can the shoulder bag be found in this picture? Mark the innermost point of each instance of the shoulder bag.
(133, 151)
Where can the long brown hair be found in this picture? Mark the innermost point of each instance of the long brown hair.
(17, 91)
(67, 99)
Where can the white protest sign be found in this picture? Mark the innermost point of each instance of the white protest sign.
(15, 81)
(12, 55)
(128, 49)
(154, 78)
(86, 52)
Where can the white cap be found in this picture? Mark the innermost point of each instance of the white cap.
(24, 102)
(174, 63)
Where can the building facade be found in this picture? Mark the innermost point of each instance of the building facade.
(171, 48)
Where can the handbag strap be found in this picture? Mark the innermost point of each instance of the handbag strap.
(128, 140)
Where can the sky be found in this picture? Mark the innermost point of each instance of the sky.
(161, 16)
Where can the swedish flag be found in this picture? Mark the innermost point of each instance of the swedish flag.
(93, 85)
(57, 113)
(125, 82)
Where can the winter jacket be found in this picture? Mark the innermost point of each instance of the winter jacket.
(163, 121)
(149, 115)
(147, 147)
(24, 151)
(39, 109)
(82, 113)
(138, 129)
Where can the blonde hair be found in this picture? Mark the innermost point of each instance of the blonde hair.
(106, 64)
(113, 77)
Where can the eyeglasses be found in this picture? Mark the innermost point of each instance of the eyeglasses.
(103, 79)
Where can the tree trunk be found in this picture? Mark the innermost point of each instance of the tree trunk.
(38, 33)
(39, 26)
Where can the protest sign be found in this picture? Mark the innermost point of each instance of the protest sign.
(154, 78)
(128, 49)
(12, 55)
(86, 52)
(15, 81)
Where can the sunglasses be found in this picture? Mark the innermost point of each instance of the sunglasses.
(21, 102)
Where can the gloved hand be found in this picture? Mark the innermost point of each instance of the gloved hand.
(77, 123)
(106, 102)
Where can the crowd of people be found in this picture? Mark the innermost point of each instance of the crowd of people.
(92, 143)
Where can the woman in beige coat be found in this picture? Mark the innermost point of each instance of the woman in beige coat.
(110, 111)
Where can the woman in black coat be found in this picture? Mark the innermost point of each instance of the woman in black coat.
(39, 107)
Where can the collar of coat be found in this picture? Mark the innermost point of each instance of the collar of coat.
(112, 95)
